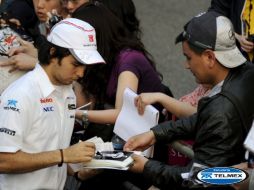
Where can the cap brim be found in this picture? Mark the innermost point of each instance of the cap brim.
(230, 58)
(87, 57)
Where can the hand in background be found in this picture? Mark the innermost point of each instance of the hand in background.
(85, 173)
(246, 45)
(144, 99)
(138, 164)
(25, 47)
(140, 142)
(20, 61)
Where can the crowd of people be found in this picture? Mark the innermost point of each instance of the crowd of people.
(75, 52)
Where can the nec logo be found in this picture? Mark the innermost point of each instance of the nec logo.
(46, 100)
(48, 109)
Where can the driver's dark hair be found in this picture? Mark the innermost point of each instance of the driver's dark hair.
(44, 54)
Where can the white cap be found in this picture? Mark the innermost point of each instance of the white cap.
(226, 50)
(79, 37)
(210, 30)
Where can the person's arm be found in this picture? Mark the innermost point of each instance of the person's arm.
(164, 132)
(22, 162)
(125, 79)
(181, 129)
(100, 116)
(21, 61)
(176, 107)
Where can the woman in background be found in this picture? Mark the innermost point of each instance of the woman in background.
(128, 65)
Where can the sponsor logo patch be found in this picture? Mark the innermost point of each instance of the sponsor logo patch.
(12, 105)
(222, 175)
(46, 100)
(91, 38)
(48, 109)
(71, 106)
(7, 131)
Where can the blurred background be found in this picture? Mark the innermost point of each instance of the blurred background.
(161, 21)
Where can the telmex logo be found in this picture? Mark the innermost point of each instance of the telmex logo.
(222, 175)
(12, 103)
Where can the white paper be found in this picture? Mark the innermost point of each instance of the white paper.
(130, 123)
(249, 141)
(100, 144)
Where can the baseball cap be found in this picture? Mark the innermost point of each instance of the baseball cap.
(79, 37)
(210, 30)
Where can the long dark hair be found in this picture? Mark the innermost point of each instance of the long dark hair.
(125, 10)
(112, 37)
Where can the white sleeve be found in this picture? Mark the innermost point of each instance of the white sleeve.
(14, 111)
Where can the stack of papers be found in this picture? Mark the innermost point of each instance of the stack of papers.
(106, 157)
(119, 160)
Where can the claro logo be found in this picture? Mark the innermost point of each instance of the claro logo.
(222, 175)
(46, 100)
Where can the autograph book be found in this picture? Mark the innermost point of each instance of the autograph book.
(111, 160)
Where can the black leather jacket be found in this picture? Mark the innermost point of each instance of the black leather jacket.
(219, 129)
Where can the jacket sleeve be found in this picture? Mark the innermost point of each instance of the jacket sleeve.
(179, 130)
(164, 176)
(221, 6)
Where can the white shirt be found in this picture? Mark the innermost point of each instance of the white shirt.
(36, 116)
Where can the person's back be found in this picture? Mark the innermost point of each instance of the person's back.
(240, 12)
(240, 92)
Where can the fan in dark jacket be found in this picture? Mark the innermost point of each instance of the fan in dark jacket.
(223, 117)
